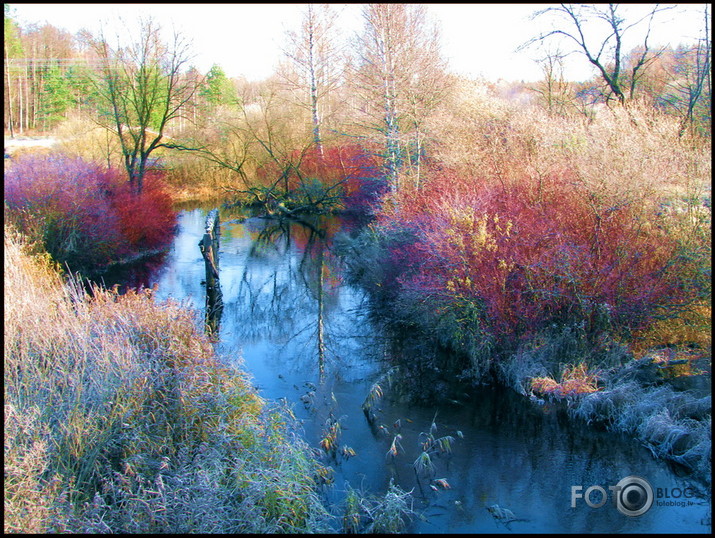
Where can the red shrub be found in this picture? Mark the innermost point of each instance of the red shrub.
(353, 167)
(146, 221)
(532, 255)
(364, 180)
(82, 212)
(351, 164)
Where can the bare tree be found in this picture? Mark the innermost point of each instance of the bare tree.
(315, 56)
(377, 74)
(399, 76)
(142, 87)
(554, 88)
(426, 86)
(691, 77)
(579, 23)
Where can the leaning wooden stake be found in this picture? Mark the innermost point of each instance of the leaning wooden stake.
(209, 246)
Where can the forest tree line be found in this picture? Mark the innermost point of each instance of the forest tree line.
(388, 84)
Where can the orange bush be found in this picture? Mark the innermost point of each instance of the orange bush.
(574, 380)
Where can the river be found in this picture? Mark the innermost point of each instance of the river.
(307, 339)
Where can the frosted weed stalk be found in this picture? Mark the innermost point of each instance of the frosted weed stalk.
(373, 514)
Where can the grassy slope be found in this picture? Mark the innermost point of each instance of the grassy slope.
(118, 418)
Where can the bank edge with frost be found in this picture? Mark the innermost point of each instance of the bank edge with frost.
(674, 425)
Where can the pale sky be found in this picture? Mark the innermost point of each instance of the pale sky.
(246, 39)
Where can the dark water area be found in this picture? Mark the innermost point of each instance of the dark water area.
(308, 339)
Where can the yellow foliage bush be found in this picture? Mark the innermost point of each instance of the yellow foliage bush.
(574, 380)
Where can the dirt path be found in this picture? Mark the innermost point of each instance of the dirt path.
(23, 142)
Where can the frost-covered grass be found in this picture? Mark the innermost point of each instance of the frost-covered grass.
(673, 425)
(119, 418)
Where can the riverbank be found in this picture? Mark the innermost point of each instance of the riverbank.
(662, 398)
(119, 418)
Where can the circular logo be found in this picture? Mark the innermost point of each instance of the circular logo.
(634, 496)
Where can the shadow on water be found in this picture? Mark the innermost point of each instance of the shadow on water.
(138, 275)
(308, 338)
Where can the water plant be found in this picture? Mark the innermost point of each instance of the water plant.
(375, 394)
(432, 447)
(330, 436)
(395, 448)
(423, 465)
(373, 514)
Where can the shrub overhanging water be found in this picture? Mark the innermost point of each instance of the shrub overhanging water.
(83, 214)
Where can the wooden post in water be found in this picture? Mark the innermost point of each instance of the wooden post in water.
(209, 245)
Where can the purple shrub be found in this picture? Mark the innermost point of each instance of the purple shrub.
(68, 205)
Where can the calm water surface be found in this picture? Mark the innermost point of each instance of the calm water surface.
(305, 336)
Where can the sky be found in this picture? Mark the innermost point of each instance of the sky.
(247, 39)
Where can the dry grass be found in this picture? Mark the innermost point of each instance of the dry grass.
(575, 379)
(79, 136)
(632, 152)
(193, 178)
(119, 418)
(691, 328)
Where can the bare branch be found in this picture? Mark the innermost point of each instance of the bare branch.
(606, 53)
(144, 88)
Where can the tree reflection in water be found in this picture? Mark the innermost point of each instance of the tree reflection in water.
(287, 316)
(288, 286)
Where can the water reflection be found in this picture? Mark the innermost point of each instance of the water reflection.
(307, 337)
